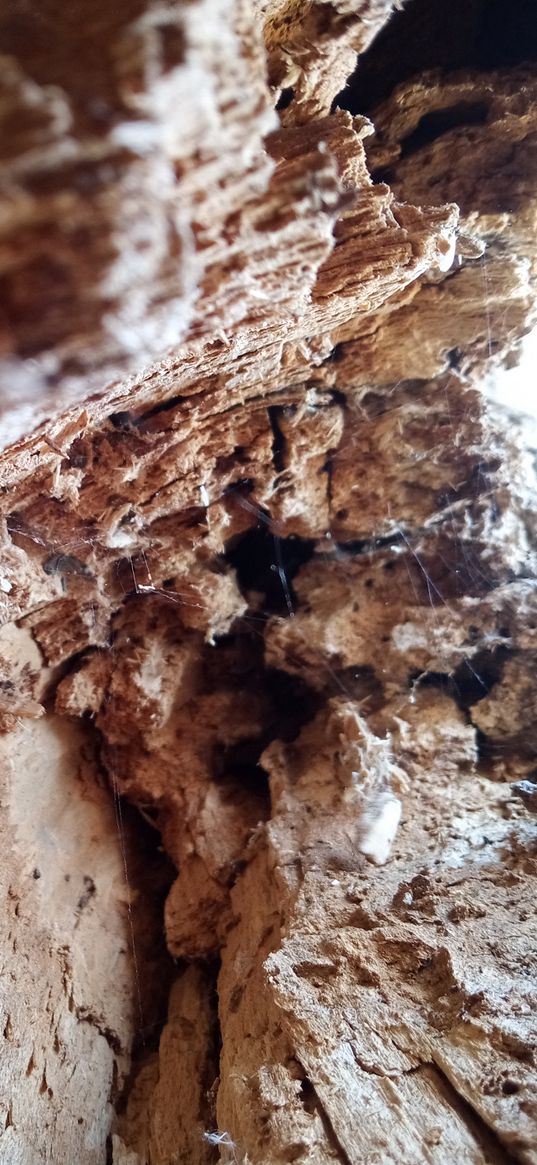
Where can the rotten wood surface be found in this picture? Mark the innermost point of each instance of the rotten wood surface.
(267, 593)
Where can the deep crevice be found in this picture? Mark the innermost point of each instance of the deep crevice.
(285, 99)
(477, 675)
(293, 703)
(123, 419)
(470, 682)
(149, 874)
(449, 34)
(313, 1104)
(287, 703)
(267, 564)
(279, 442)
(440, 121)
(356, 547)
(490, 1144)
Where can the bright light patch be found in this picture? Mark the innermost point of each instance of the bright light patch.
(516, 388)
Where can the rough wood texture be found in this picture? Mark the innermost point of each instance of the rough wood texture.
(71, 994)
(266, 575)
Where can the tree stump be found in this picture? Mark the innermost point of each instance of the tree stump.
(268, 633)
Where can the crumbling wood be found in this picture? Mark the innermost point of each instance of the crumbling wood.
(266, 577)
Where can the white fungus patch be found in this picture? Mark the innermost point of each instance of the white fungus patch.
(405, 636)
(380, 822)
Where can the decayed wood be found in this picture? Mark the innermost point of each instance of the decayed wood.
(267, 575)
(401, 1018)
(70, 992)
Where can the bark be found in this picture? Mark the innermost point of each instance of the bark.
(269, 618)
